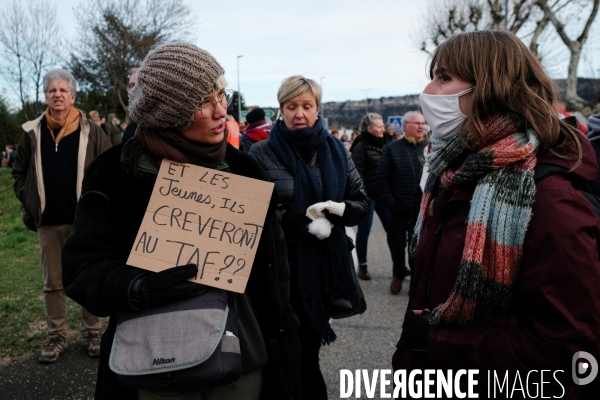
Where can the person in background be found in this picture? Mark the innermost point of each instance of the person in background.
(53, 153)
(129, 130)
(257, 130)
(112, 129)
(345, 141)
(8, 156)
(398, 173)
(102, 123)
(366, 155)
(95, 117)
(309, 166)
(187, 125)
(243, 127)
(561, 108)
(233, 129)
(12, 154)
(389, 130)
(355, 134)
(507, 268)
(335, 133)
(594, 137)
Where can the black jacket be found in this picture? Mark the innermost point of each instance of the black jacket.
(399, 171)
(366, 156)
(95, 275)
(355, 197)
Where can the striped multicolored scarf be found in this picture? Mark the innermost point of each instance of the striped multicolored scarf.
(500, 165)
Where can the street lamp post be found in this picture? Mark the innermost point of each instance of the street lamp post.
(239, 92)
(366, 98)
(322, 109)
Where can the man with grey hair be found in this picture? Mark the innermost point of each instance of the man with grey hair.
(54, 151)
(398, 173)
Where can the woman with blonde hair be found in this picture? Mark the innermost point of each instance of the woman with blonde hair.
(313, 173)
(507, 271)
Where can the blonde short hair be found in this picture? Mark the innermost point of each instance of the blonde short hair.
(295, 85)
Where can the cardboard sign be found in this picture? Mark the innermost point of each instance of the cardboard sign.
(206, 217)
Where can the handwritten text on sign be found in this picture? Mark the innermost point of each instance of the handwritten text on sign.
(206, 217)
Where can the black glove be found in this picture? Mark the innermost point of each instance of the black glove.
(159, 288)
(294, 224)
(336, 219)
(415, 330)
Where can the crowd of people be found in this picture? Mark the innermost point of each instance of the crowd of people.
(503, 262)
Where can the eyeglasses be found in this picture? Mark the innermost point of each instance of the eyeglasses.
(208, 106)
(417, 123)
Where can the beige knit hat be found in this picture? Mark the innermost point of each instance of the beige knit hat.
(172, 82)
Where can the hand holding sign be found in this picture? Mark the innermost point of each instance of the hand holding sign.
(200, 216)
(164, 287)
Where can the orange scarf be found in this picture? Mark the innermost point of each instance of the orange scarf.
(68, 126)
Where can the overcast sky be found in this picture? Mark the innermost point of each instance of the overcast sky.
(354, 45)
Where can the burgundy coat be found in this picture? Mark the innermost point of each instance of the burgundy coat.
(557, 292)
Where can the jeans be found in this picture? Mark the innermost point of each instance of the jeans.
(364, 229)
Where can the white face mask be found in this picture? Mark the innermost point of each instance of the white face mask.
(442, 113)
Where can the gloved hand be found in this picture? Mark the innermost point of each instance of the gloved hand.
(294, 224)
(158, 288)
(415, 330)
(318, 210)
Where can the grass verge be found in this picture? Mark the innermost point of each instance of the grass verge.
(22, 310)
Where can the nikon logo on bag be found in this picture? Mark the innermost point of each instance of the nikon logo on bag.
(160, 361)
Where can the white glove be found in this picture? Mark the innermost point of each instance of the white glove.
(316, 210)
(321, 228)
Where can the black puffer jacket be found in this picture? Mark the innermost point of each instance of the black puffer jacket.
(366, 156)
(354, 197)
(399, 172)
(95, 273)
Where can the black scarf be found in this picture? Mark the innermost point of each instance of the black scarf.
(372, 140)
(323, 265)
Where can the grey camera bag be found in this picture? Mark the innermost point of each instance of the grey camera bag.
(187, 345)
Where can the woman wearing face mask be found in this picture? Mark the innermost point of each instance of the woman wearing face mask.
(507, 272)
(311, 167)
(179, 104)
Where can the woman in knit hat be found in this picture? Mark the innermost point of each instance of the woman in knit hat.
(179, 104)
(314, 175)
(507, 272)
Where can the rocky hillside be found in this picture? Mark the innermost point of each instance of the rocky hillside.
(348, 114)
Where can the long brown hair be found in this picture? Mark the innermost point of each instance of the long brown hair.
(507, 78)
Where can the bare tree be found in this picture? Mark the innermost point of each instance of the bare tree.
(28, 39)
(574, 45)
(456, 16)
(116, 35)
(41, 51)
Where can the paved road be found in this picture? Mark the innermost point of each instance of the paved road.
(364, 342)
(368, 341)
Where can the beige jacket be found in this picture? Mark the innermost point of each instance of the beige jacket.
(27, 167)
